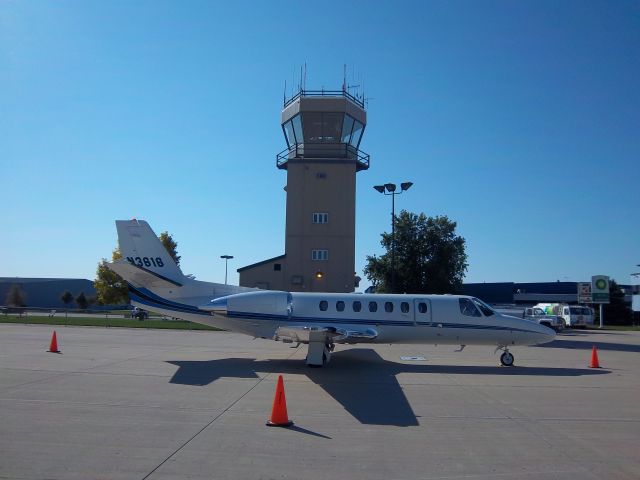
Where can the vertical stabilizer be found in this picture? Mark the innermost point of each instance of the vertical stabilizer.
(141, 247)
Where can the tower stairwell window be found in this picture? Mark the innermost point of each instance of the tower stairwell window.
(320, 218)
(319, 254)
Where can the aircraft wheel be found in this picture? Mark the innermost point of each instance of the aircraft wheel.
(506, 359)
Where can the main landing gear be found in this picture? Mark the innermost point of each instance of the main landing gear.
(506, 359)
(319, 352)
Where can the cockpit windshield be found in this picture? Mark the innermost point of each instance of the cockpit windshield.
(486, 310)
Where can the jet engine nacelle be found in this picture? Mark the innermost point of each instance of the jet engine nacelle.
(262, 304)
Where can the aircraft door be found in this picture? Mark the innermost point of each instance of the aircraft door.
(289, 305)
(422, 312)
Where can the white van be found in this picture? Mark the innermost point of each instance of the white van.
(573, 315)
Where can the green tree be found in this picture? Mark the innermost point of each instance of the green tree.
(81, 301)
(16, 297)
(170, 245)
(429, 256)
(111, 289)
(66, 298)
(616, 312)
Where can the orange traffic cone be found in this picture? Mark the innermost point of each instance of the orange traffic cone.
(279, 416)
(594, 358)
(53, 348)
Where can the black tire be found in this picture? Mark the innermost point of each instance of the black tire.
(506, 359)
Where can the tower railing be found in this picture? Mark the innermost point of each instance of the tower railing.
(337, 151)
(324, 93)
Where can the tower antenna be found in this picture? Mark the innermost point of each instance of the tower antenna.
(293, 80)
(344, 77)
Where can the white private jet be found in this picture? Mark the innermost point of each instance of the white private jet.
(320, 320)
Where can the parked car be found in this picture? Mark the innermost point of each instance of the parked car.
(538, 315)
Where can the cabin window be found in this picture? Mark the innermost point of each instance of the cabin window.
(422, 307)
(388, 307)
(324, 305)
(404, 307)
(340, 306)
(357, 306)
(468, 308)
(373, 307)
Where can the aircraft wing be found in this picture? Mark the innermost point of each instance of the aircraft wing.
(306, 334)
(140, 276)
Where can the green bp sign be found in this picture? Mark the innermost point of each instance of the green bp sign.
(600, 289)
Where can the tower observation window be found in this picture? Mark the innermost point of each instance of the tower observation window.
(347, 128)
(312, 127)
(331, 127)
(351, 131)
(297, 128)
(323, 127)
(288, 133)
(293, 131)
(357, 134)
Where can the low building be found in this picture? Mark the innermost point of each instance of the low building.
(46, 292)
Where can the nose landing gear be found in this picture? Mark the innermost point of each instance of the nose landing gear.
(506, 359)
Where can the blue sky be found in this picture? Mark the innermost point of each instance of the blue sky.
(518, 120)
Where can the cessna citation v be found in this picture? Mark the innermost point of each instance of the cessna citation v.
(319, 320)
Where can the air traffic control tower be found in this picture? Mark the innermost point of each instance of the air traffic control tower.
(323, 130)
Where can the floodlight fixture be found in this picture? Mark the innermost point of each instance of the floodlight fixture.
(391, 189)
(226, 260)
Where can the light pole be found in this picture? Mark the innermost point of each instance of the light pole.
(226, 260)
(390, 189)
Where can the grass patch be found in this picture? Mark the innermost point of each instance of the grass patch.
(621, 328)
(108, 322)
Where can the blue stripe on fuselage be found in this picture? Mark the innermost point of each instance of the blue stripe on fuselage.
(148, 298)
(368, 322)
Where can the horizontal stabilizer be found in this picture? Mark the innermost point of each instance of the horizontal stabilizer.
(140, 276)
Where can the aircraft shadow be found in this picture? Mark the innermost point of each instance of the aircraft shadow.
(575, 344)
(359, 379)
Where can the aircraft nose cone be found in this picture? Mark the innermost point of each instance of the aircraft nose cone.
(544, 334)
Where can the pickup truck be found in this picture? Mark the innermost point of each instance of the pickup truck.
(538, 315)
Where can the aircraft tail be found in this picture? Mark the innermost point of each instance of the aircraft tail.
(141, 248)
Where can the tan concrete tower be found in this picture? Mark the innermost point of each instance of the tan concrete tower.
(323, 130)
